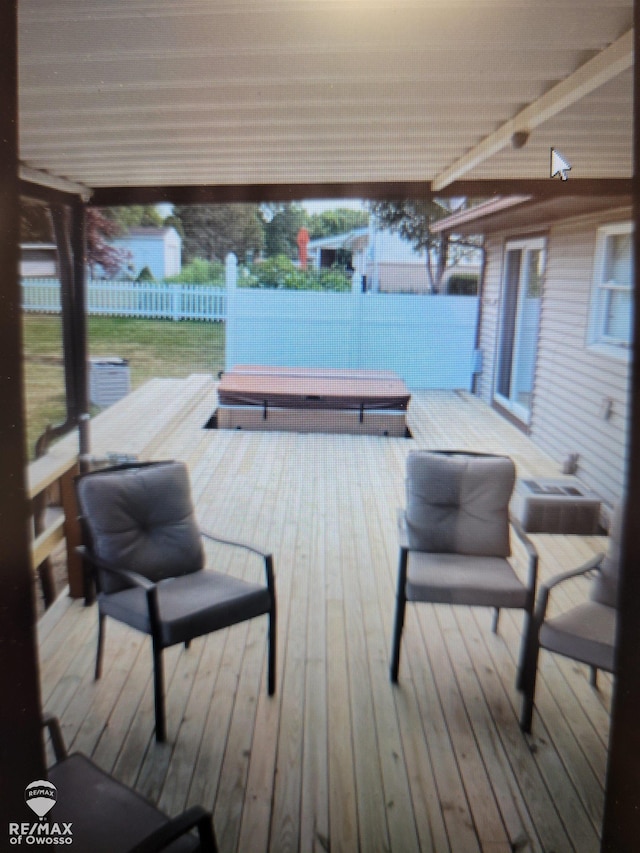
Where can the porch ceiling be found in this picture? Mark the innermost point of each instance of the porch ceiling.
(214, 92)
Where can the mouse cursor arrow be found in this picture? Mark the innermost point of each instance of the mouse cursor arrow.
(559, 165)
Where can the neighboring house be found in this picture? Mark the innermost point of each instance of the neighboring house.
(158, 249)
(555, 327)
(381, 261)
(38, 260)
(346, 250)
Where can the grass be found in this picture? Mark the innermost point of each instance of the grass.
(152, 347)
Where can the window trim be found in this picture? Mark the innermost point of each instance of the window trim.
(597, 341)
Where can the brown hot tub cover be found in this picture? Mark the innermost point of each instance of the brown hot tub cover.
(313, 388)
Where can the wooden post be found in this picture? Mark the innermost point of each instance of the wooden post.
(22, 752)
(78, 244)
(72, 534)
(621, 824)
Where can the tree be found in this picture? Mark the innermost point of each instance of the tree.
(35, 222)
(338, 221)
(35, 226)
(211, 231)
(282, 224)
(100, 230)
(134, 215)
(412, 219)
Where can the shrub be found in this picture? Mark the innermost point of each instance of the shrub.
(145, 274)
(274, 272)
(335, 280)
(279, 272)
(200, 271)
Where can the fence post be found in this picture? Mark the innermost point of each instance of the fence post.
(231, 271)
(176, 300)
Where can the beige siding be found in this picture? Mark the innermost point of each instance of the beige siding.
(489, 307)
(403, 278)
(572, 380)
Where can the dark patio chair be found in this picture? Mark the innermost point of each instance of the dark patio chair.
(144, 548)
(455, 539)
(585, 633)
(108, 817)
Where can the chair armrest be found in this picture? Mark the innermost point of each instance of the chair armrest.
(532, 553)
(545, 589)
(235, 544)
(403, 536)
(133, 577)
(195, 817)
(268, 558)
(589, 566)
(57, 741)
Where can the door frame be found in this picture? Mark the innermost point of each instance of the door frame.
(518, 411)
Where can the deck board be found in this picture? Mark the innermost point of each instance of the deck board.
(338, 759)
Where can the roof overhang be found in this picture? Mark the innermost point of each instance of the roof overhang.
(517, 213)
(275, 100)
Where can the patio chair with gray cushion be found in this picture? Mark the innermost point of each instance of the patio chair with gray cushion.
(144, 547)
(586, 632)
(106, 816)
(455, 539)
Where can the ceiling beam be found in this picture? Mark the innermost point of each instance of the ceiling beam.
(606, 65)
(375, 190)
(53, 182)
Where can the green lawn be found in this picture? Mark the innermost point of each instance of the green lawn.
(152, 347)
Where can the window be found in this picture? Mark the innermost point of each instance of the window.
(613, 289)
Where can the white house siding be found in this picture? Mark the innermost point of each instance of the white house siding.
(403, 277)
(572, 380)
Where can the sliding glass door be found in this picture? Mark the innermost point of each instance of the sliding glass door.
(519, 325)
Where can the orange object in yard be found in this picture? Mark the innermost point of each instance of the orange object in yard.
(303, 242)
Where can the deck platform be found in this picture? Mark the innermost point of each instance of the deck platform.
(339, 759)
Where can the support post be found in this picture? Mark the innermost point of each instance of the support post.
(78, 246)
(72, 534)
(621, 823)
(59, 218)
(22, 753)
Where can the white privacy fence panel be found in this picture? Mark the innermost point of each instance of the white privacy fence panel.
(427, 340)
(133, 299)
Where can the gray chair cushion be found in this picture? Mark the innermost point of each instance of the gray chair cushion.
(191, 605)
(461, 579)
(106, 816)
(604, 589)
(586, 633)
(459, 504)
(142, 519)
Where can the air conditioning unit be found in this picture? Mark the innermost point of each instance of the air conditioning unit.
(556, 506)
(109, 380)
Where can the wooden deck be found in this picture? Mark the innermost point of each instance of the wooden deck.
(339, 759)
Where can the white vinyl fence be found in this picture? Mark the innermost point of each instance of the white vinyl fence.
(427, 340)
(133, 299)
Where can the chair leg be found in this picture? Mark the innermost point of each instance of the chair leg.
(158, 692)
(593, 677)
(496, 619)
(528, 680)
(401, 605)
(98, 671)
(187, 644)
(271, 676)
(528, 653)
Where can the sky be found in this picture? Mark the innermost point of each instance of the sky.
(310, 205)
(320, 205)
